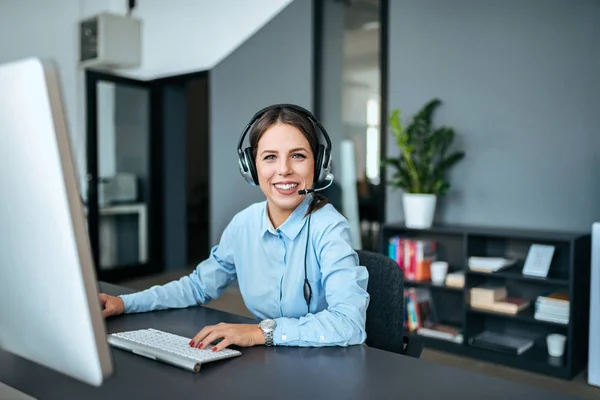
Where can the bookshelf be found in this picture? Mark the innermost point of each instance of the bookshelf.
(569, 271)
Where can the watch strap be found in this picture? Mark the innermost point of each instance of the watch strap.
(268, 337)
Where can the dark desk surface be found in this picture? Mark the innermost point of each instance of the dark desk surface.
(356, 372)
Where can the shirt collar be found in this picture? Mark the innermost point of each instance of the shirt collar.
(292, 225)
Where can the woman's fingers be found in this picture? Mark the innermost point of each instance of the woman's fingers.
(111, 305)
(196, 340)
(212, 336)
(107, 312)
(222, 344)
(238, 334)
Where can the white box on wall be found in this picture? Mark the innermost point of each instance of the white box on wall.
(110, 41)
(594, 339)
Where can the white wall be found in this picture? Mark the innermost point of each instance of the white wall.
(178, 36)
(46, 29)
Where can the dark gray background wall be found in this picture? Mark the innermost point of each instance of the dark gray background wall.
(520, 84)
(198, 174)
(273, 66)
(175, 182)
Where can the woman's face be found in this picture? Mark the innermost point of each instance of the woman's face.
(284, 165)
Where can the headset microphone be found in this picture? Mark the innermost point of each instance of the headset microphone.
(329, 178)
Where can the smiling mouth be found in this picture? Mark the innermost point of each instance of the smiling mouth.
(286, 186)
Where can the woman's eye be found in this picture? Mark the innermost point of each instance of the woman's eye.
(270, 157)
(298, 155)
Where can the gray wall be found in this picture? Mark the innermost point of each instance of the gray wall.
(273, 66)
(519, 81)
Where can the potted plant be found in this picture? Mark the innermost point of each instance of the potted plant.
(422, 164)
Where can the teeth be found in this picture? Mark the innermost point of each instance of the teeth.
(287, 186)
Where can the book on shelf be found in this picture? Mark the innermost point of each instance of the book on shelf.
(509, 305)
(558, 298)
(455, 279)
(553, 307)
(421, 317)
(487, 293)
(541, 316)
(490, 264)
(501, 342)
(418, 308)
(441, 331)
(493, 297)
(413, 256)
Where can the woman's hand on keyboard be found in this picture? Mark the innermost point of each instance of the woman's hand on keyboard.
(243, 335)
(111, 305)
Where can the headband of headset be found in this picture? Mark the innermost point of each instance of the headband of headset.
(322, 158)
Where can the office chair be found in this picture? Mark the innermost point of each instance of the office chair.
(385, 315)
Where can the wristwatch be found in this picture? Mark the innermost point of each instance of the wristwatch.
(268, 327)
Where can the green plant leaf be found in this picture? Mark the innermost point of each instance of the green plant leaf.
(449, 162)
(401, 177)
(422, 163)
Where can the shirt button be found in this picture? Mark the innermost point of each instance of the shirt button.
(283, 337)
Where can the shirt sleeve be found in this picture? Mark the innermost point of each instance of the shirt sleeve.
(208, 281)
(345, 284)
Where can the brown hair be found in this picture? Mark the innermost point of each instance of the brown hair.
(289, 116)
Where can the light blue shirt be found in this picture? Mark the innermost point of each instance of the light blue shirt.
(269, 266)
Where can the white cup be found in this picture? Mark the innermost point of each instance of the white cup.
(556, 344)
(439, 269)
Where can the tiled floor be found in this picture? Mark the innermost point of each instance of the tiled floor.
(231, 301)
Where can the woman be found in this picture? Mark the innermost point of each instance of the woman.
(264, 247)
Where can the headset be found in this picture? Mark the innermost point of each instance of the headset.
(322, 159)
(322, 169)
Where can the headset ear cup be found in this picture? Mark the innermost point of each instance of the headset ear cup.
(251, 166)
(319, 173)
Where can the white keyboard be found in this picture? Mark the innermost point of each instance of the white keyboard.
(167, 347)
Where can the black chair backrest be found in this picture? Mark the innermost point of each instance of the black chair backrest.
(385, 315)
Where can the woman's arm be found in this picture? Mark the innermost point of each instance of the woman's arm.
(345, 285)
(206, 282)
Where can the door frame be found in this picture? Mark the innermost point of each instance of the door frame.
(318, 20)
(182, 80)
(155, 213)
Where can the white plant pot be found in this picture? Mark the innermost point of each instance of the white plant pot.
(419, 209)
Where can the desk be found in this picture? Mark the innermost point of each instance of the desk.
(356, 372)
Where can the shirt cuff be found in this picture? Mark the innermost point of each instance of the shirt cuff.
(286, 332)
(127, 302)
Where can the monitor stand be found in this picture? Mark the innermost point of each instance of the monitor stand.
(6, 392)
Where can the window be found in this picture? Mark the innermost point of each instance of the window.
(373, 141)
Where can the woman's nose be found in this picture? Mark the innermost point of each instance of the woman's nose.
(284, 167)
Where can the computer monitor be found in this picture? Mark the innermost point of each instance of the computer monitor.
(49, 308)
(594, 336)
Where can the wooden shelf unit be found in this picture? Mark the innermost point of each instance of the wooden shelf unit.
(570, 271)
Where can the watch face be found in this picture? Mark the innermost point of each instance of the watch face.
(268, 324)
